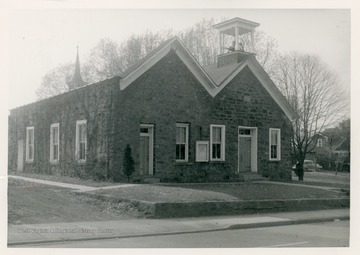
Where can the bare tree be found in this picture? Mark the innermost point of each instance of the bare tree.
(138, 46)
(110, 58)
(202, 41)
(56, 81)
(314, 93)
(265, 49)
(104, 61)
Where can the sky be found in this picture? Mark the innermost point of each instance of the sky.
(40, 40)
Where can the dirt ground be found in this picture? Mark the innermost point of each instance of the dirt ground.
(31, 203)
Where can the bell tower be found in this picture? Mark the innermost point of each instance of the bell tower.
(234, 28)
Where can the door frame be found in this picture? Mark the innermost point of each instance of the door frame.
(254, 147)
(150, 134)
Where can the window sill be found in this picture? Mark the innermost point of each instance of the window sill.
(54, 162)
(29, 162)
(274, 160)
(81, 162)
(217, 161)
(182, 163)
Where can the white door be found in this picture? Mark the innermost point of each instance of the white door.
(20, 158)
(146, 149)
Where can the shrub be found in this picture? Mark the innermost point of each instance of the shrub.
(128, 162)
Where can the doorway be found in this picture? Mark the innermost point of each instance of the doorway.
(146, 149)
(20, 154)
(247, 149)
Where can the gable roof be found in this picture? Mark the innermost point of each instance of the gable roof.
(218, 74)
(213, 79)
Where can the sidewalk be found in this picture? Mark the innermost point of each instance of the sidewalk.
(76, 187)
(60, 232)
(82, 188)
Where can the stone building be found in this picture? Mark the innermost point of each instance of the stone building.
(184, 122)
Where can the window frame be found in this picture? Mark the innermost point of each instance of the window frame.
(186, 126)
(52, 127)
(278, 148)
(27, 159)
(77, 140)
(319, 142)
(222, 143)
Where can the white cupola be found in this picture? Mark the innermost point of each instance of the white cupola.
(234, 28)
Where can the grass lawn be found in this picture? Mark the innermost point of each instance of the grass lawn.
(328, 179)
(217, 192)
(31, 203)
(323, 184)
(66, 179)
(157, 193)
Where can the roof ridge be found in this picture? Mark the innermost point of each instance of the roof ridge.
(64, 93)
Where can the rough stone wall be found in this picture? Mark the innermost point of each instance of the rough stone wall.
(168, 93)
(93, 103)
(165, 95)
(245, 102)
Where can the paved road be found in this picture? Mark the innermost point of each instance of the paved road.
(330, 234)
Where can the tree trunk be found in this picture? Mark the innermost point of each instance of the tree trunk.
(300, 169)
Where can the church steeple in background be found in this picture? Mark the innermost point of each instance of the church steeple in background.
(76, 81)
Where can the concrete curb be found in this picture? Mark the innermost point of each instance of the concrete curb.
(230, 227)
(171, 210)
(157, 210)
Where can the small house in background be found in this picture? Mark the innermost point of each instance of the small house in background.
(332, 147)
(184, 122)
